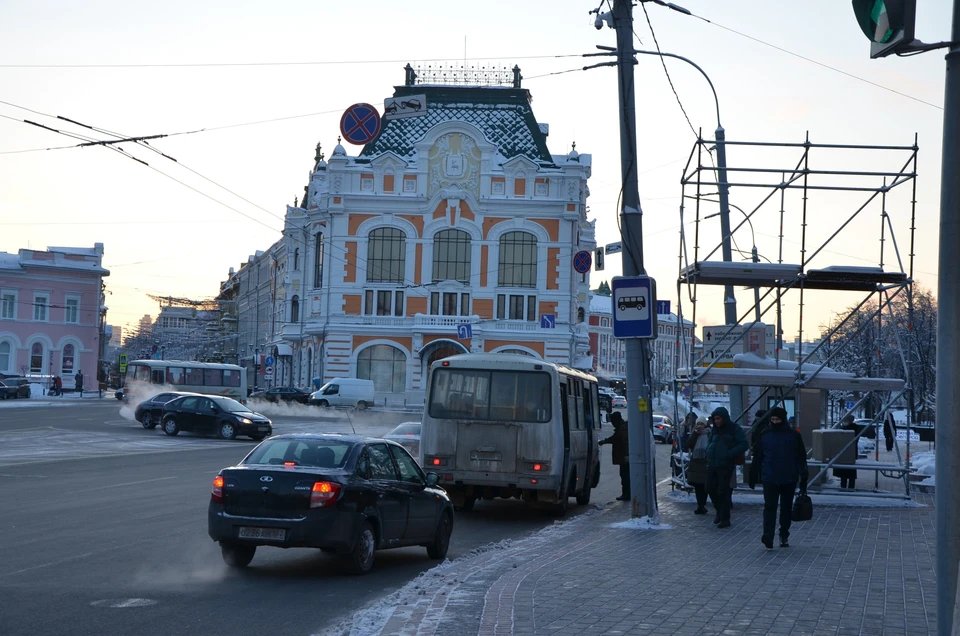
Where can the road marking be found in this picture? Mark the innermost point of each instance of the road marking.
(124, 602)
(129, 483)
(44, 565)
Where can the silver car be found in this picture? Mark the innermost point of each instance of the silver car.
(408, 436)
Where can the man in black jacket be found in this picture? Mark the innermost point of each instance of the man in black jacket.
(621, 452)
(779, 462)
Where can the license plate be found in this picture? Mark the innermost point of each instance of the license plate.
(270, 534)
(263, 429)
(486, 456)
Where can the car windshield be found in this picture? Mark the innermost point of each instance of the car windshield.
(232, 406)
(407, 428)
(317, 453)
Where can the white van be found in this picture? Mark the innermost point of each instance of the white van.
(344, 392)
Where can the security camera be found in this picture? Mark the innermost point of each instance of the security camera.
(598, 23)
(603, 17)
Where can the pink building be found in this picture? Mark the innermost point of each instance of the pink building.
(50, 306)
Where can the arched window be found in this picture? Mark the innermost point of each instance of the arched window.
(36, 358)
(451, 256)
(386, 366)
(6, 356)
(67, 357)
(518, 260)
(296, 259)
(386, 255)
(581, 315)
(295, 309)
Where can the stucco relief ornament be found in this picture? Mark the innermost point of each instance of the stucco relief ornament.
(453, 166)
(337, 182)
(572, 190)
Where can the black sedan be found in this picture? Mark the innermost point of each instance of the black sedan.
(281, 394)
(150, 412)
(14, 387)
(213, 414)
(8, 391)
(345, 494)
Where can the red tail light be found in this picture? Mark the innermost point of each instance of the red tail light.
(537, 467)
(324, 493)
(217, 493)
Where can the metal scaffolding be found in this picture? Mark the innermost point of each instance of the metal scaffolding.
(830, 197)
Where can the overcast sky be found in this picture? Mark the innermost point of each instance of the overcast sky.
(178, 66)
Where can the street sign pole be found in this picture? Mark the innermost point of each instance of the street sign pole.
(639, 403)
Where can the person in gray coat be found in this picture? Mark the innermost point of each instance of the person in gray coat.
(697, 465)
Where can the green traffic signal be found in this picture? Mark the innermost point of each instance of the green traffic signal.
(888, 24)
(874, 19)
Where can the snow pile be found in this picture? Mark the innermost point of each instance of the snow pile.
(924, 463)
(642, 523)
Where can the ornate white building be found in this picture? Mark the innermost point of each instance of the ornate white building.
(454, 230)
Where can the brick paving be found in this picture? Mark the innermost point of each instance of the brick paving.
(851, 570)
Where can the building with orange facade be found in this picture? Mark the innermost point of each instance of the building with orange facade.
(452, 231)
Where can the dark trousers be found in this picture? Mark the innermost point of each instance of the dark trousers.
(718, 487)
(624, 479)
(701, 492)
(774, 494)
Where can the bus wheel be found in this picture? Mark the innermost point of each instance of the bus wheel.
(467, 504)
(559, 509)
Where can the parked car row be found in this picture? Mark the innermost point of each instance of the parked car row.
(14, 387)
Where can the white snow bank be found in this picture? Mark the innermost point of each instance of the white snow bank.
(642, 523)
(924, 463)
(929, 481)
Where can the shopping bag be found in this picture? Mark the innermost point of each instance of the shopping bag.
(802, 508)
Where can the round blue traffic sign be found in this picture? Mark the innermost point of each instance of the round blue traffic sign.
(269, 361)
(360, 124)
(582, 261)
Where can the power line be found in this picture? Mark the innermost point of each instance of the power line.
(666, 72)
(813, 61)
(257, 64)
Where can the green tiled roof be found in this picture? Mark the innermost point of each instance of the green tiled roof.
(502, 114)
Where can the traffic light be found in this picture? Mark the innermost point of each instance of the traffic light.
(598, 259)
(888, 24)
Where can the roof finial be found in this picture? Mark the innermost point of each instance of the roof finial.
(338, 139)
(296, 202)
(573, 145)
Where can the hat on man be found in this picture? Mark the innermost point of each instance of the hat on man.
(778, 412)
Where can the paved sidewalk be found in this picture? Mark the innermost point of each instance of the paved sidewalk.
(851, 570)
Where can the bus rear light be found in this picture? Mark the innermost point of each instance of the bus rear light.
(447, 477)
(436, 461)
(536, 466)
(217, 493)
(533, 481)
(324, 493)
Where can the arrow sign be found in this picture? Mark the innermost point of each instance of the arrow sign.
(464, 332)
(548, 321)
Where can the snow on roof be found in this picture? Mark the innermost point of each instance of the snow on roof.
(9, 261)
(85, 251)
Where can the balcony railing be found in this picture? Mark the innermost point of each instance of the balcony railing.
(380, 321)
(514, 325)
(429, 320)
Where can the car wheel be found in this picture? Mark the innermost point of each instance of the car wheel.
(147, 420)
(361, 405)
(441, 540)
(360, 558)
(170, 426)
(323, 403)
(227, 430)
(583, 498)
(237, 556)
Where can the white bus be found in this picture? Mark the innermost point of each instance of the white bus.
(511, 426)
(210, 378)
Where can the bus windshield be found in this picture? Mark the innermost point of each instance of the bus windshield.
(475, 394)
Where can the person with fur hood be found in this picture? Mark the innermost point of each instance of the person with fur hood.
(725, 443)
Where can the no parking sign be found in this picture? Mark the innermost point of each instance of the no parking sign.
(360, 124)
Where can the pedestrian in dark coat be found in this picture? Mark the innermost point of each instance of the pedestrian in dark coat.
(697, 465)
(889, 431)
(621, 452)
(848, 476)
(779, 463)
(725, 443)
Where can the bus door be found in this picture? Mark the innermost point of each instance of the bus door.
(565, 412)
(579, 435)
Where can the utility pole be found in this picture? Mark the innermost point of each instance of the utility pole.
(948, 346)
(639, 403)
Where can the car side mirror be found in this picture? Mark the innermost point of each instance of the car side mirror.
(433, 479)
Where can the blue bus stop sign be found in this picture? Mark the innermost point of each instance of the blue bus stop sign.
(634, 307)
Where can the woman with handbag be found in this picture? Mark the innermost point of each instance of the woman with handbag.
(779, 463)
